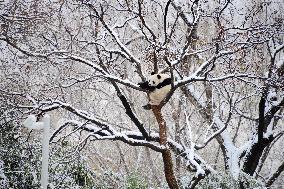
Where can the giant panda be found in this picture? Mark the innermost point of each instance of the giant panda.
(158, 85)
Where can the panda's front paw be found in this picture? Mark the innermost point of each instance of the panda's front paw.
(143, 85)
(147, 107)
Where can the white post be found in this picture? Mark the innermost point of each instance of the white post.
(31, 123)
(45, 151)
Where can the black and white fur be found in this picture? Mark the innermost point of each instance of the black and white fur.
(158, 85)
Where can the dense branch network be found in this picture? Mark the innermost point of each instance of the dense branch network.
(194, 65)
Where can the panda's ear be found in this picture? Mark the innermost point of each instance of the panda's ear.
(158, 76)
(152, 73)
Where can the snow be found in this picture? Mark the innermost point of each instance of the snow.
(197, 95)
(280, 62)
(277, 49)
(115, 30)
(87, 62)
(177, 145)
(31, 99)
(122, 81)
(31, 123)
(269, 131)
(131, 132)
(121, 45)
(3, 178)
(182, 6)
(232, 153)
(273, 99)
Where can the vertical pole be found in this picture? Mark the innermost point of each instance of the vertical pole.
(45, 152)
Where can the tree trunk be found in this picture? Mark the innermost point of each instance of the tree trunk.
(167, 159)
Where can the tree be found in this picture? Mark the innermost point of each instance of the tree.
(81, 60)
(20, 155)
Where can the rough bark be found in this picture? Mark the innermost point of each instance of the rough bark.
(166, 154)
(253, 157)
(275, 175)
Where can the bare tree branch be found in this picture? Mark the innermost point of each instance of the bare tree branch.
(275, 175)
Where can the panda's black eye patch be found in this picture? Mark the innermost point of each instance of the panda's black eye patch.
(153, 82)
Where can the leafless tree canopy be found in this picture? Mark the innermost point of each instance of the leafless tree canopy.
(80, 61)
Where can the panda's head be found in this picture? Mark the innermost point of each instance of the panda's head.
(156, 79)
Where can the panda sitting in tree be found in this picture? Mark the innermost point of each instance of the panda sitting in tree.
(158, 85)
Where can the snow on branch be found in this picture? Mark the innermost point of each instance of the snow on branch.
(232, 153)
(104, 73)
(221, 78)
(61, 127)
(124, 22)
(46, 106)
(101, 130)
(183, 151)
(218, 132)
(277, 50)
(189, 21)
(144, 22)
(269, 114)
(27, 52)
(275, 175)
(114, 35)
(87, 62)
(79, 59)
(194, 77)
(133, 138)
